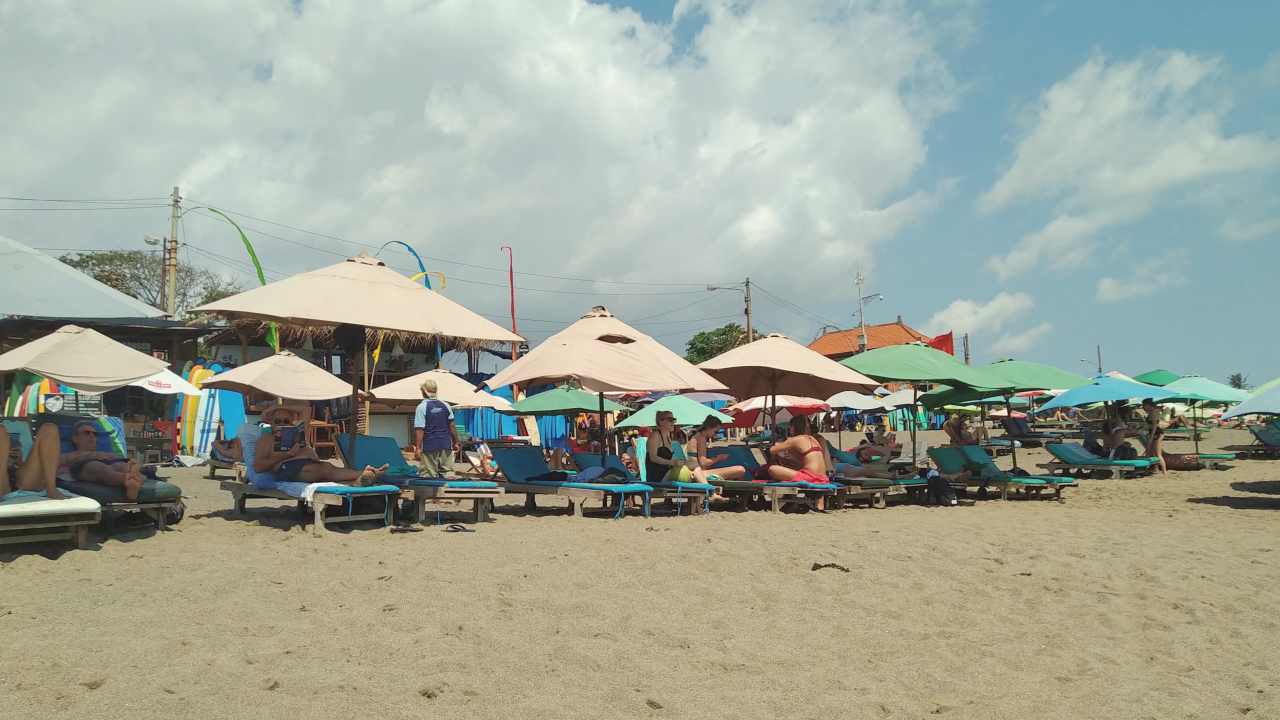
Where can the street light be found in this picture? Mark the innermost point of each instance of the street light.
(862, 319)
(745, 289)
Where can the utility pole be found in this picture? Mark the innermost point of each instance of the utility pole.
(862, 317)
(966, 348)
(169, 289)
(746, 294)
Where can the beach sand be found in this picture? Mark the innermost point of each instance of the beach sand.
(1149, 598)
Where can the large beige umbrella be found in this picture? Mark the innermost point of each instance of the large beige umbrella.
(605, 355)
(602, 353)
(449, 387)
(83, 359)
(776, 365)
(360, 292)
(283, 375)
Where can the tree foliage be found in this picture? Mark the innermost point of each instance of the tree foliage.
(139, 274)
(710, 343)
(1238, 380)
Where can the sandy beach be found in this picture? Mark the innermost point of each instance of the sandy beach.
(1150, 598)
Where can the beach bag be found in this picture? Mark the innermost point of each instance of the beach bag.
(1183, 461)
(1125, 452)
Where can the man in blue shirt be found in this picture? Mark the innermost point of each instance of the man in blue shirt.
(434, 435)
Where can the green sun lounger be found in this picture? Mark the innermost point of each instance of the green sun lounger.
(1266, 442)
(1072, 456)
(985, 469)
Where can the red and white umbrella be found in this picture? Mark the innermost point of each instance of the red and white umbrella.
(754, 411)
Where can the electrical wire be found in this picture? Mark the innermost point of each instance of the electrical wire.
(92, 208)
(787, 304)
(82, 200)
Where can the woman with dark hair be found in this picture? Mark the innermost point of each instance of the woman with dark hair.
(704, 461)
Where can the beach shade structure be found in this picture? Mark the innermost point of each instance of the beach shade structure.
(604, 354)
(921, 364)
(1159, 378)
(906, 397)
(687, 411)
(749, 412)
(1264, 401)
(563, 400)
(1210, 390)
(777, 365)
(1020, 375)
(450, 388)
(82, 359)
(359, 295)
(166, 382)
(1107, 389)
(1189, 394)
(283, 375)
(852, 400)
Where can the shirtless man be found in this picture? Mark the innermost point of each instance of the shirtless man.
(300, 462)
(39, 471)
(88, 464)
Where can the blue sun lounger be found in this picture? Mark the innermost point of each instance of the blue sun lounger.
(692, 491)
(526, 471)
(1073, 456)
(984, 470)
(377, 451)
(250, 485)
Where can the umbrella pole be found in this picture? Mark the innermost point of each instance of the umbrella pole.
(915, 397)
(355, 414)
(1195, 428)
(1013, 444)
(604, 449)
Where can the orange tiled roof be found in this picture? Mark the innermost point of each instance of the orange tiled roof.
(843, 343)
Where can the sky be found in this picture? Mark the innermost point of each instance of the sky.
(1046, 177)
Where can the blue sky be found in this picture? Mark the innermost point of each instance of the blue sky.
(1211, 323)
(1046, 176)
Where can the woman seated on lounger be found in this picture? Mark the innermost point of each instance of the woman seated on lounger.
(39, 472)
(660, 463)
(703, 458)
(88, 464)
(299, 463)
(799, 458)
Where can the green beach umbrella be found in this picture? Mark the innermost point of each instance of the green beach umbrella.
(1159, 378)
(687, 412)
(922, 364)
(1019, 374)
(564, 400)
(1209, 390)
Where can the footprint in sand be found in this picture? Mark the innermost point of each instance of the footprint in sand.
(94, 684)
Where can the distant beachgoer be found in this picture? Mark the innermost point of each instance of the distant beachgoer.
(39, 472)
(300, 463)
(88, 464)
(435, 437)
(227, 451)
(883, 438)
(957, 432)
(1155, 435)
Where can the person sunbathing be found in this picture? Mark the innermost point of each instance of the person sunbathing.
(957, 432)
(799, 458)
(299, 462)
(227, 451)
(39, 472)
(703, 460)
(883, 438)
(88, 464)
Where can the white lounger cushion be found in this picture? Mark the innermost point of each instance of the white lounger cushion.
(31, 506)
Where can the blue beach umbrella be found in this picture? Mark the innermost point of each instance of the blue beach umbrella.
(1104, 388)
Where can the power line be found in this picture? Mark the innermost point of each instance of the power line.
(82, 200)
(91, 208)
(808, 314)
(455, 262)
(709, 298)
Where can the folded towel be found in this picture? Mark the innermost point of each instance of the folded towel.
(309, 492)
(14, 495)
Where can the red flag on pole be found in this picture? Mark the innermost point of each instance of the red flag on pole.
(945, 342)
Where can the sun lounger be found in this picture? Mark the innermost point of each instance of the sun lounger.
(27, 517)
(696, 494)
(525, 471)
(158, 500)
(984, 469)
(1072, 456)
(832, 495)
(250, 485)
(379, 451)
(1266, 442)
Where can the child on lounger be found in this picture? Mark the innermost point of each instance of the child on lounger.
(38, 473)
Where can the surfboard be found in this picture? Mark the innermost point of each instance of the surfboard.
(231, 406)
(207, 417)
(190, 406)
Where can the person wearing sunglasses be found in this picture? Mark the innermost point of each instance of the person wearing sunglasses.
(38, 472)
(87, 463)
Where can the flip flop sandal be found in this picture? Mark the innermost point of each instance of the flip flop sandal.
(457, 528)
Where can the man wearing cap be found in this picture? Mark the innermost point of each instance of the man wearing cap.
(434, 435)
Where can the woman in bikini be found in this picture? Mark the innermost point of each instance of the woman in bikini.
(704, 462)
(659, 460)
(1155, 434)
(801, 458)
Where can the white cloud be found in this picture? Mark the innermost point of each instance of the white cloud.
(970, 316)
(1107, 142)
(572, 131)
(1149, 277)
(1244, 230)
(1011, 344)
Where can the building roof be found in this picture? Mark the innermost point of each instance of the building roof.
(843, 343)
(35, 284)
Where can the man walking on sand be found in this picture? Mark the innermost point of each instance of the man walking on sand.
(435, 437)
